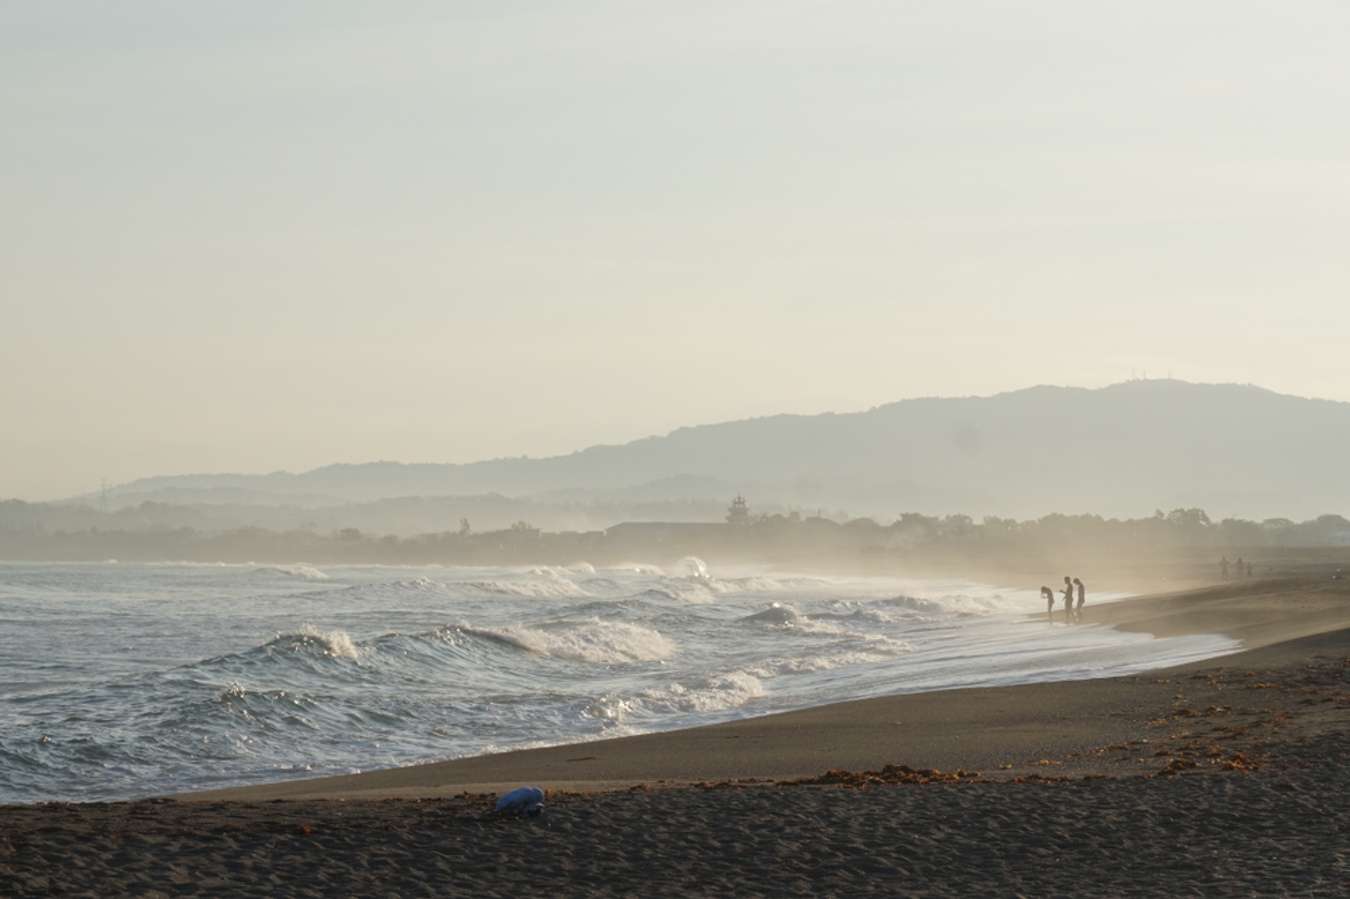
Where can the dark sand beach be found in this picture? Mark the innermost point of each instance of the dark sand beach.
(1225, 777)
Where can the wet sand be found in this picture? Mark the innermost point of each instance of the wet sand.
(1225, 777)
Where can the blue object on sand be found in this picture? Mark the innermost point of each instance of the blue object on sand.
(522, 801)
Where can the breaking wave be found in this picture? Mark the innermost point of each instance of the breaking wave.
(682, 591)
(711, 694)
(335, 644)
(641, 568)
(593, 641)
(864, 616)
(549, 585)
(785, 617)
(693, 566)
(304, 572)
(957, 604)
(369, 668)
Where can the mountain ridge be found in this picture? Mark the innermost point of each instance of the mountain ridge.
(1119, 449)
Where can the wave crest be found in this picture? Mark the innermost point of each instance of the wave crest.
(548, 584)
(715, 693)
(785, 617)
(304, 572)
(592, 641)
(336, 644)
(876, 649)
(637, 568)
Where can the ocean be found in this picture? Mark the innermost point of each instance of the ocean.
(129, 680)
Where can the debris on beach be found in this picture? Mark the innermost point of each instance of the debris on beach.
(1177, 765)
(891, 774)
(1240, 762)
(1049, 779)
(522, 802)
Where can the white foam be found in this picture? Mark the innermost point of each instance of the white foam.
(876, 650)
(336, 643)
(694, 567)
(233, 690)
(860, 615)
(754, 585)
(715, 693)
(547, 584)
(420, 584)
(686, 590)
(562, 570)
(776, 614)
(785, 617)
(594, 641)
(306, 572)
(637, 568)
(758, 583)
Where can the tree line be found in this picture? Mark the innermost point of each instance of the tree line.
(910, 537)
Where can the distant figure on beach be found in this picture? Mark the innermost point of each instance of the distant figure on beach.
(1082, 597)
(1068, 599)
(1049, 603)
(1249, 569)
(1239, 567)
(1223, 568)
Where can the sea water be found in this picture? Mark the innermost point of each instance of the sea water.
(121, 680)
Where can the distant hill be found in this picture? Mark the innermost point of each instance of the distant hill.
(1121, 450)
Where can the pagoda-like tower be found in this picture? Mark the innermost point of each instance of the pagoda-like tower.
(739, 511)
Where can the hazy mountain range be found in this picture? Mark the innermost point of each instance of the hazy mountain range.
(1122, 450)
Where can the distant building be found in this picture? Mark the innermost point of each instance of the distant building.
(739, 511)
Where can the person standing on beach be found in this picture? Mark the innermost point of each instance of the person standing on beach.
(1068, 599)
(1049, 603)
(1082, 597)
(1223, 568)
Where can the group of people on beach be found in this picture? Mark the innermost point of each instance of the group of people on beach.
(1071, 614)
(1240, 568)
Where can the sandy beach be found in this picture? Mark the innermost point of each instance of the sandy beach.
(1226, 777)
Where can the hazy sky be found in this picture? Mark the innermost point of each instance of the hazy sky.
(242, 236)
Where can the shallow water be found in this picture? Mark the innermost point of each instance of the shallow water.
(119, 681)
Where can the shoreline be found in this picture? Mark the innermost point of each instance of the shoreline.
(943, 729)
(1224, 777)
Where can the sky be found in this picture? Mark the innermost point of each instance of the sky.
(249, 236)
